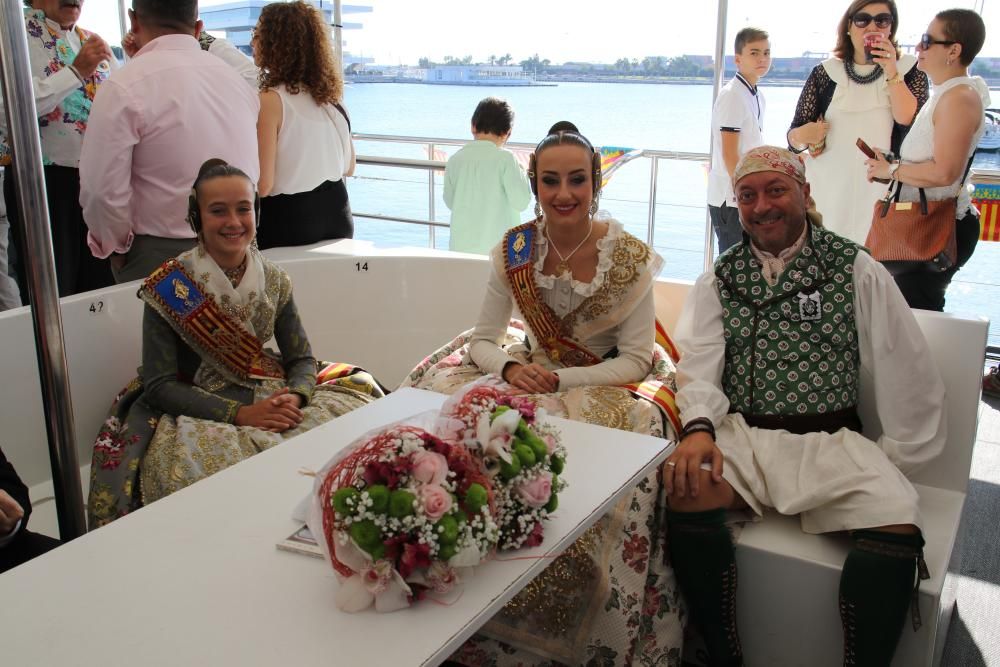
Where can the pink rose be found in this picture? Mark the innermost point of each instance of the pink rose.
(429, 467)
(550, 442)
(437, 501)
(536, 491)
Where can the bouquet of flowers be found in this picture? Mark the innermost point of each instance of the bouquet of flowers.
(401, 513)
(522, 456)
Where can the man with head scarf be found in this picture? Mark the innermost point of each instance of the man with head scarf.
(773, 343)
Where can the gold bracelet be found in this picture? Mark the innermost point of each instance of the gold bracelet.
(895, 78)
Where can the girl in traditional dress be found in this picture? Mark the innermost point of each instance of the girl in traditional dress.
(586, 351)
(208, 394)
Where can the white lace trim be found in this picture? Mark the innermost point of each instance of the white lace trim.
(604, 257)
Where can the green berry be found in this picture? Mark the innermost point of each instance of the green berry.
(366, 534)
(525, 455)
(401, 503)
(500, 409)
(379, 494)
(341, 497)
(552, 504)
(475, 498)
(557, 464)
(447, 530)
(377, 552)
(510, 470)
(447, 551)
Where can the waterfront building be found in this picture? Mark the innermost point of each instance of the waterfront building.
(236, 19)
(479, 75)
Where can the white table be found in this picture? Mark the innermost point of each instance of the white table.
(196, 578)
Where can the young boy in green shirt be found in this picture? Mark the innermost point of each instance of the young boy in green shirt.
(484, 186)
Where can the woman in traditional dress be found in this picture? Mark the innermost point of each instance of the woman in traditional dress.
(208, 394)
(853, 96)
(938, 151)
(586, 352)
(303, 132)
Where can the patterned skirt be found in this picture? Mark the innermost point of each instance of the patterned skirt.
(142, 455)
(611, 598)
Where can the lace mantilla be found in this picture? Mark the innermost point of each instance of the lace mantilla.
(605, 257)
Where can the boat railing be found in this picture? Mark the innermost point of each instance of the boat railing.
(430, 166)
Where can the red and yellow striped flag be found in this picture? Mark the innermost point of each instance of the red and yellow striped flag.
(987, 199)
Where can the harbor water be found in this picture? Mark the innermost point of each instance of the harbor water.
(664, 117)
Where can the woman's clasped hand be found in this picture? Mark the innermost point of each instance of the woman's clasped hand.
(531, 378)
(277, 413)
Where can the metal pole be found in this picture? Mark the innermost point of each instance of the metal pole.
(431, 206)
(338, 45)
(720, 68)
(654, 174)
(122, 14)
(15, 70)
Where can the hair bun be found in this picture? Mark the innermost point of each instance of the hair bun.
(209, 164)
(564, 126)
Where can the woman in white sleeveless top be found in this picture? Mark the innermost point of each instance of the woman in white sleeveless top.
(303, 132)
(936, 153)
(848, 97)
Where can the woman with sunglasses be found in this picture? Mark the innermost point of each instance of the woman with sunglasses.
(851, 96)
(937, 152)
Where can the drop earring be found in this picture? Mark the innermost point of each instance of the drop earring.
(538, 210)
(593, 207)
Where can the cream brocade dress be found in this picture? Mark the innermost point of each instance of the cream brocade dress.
(610, 599)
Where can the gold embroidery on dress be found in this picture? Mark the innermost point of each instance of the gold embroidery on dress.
(608, 406)
(629, 256)
(550, 604)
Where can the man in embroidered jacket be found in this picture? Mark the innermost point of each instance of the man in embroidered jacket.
(68, 66)
(773, 343)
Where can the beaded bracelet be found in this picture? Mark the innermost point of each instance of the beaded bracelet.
(700, 424)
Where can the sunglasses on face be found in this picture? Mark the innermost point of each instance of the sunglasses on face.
(926, 42)
(882, 21)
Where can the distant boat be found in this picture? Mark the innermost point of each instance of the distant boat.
(991, 137)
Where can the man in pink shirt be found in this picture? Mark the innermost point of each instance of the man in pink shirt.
(172, 107)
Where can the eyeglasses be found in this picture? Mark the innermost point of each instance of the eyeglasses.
(862, 19)
(926, 42)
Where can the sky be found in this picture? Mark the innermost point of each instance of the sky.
(402, 31)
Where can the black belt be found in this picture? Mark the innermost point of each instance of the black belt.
(827, 422)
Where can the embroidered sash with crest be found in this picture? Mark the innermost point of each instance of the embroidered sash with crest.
(197, 318)
(559, 347)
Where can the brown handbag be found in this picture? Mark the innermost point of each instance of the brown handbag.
(908, 236)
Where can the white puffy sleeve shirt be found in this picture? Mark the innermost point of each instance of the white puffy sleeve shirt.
(633, 335)
(908, 389)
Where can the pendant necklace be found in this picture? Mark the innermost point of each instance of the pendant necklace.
(563, 265)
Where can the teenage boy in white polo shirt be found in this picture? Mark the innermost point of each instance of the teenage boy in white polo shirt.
(737, 126)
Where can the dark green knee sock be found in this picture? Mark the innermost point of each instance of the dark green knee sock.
(876, 587)
(701, 552)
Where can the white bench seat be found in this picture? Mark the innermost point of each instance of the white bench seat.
(386, 310)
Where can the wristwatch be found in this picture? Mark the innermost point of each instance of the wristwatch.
(893, 168)
(895, 78)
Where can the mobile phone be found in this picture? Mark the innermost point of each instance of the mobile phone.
(870, 152)
(866, 149)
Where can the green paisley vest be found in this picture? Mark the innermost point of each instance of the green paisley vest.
(791, 349)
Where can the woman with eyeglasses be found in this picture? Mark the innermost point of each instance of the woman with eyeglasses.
(937, 153)
(868, 91)
(303, 132)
